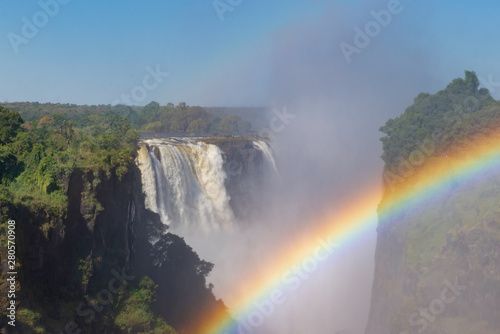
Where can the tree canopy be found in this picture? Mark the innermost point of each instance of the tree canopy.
(180, 119)
(35, 156)
(452, 114)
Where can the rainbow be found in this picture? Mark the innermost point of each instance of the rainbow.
(260, 294)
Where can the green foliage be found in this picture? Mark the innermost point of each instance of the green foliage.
(9, 167)
(153, 127)
(29, 321)
(37, 158)
(460, 113)
(41, 171)
(134, 313)
(454, 232)
(10, 124)
(150, 113)
(198, 126)
(449, 114)
(184, 119)
(234, 124)
(180, 119)
(5, 200)
(463, 207)
(85, 267)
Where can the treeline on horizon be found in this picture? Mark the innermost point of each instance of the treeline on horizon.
(152, 118)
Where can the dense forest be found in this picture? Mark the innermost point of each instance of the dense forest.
(68, 178)
(36, 160)
(152, 118)
(36, 156)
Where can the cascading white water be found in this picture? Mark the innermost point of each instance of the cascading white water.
(184, 184)
(266, 150)
(148, 177)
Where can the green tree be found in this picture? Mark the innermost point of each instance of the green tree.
(150, 112)
(471, 81)
(10, 124)
(134, 313)
(447, 111)
(198, 125)
(243, 126)
(229, 124)
(152, 127)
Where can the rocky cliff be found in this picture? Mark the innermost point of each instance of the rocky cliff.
(438, 268)
(437, 263)
(77, 268)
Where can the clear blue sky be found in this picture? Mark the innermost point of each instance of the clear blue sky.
(93, 51)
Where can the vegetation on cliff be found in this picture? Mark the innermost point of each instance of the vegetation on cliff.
(70, 182)
(452, 238)
(455, 114)
(37, 157)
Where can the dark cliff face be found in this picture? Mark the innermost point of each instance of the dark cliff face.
(106, 232)
(96, 230)
(68, 256)
(391, 281)
(438, 267)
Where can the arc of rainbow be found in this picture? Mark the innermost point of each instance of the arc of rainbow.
(347, 225)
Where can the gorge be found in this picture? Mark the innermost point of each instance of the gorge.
(120, 234)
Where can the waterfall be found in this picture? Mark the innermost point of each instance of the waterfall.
(266, 150)
(184, 181)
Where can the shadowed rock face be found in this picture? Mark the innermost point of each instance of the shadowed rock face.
(97, 222)
(107, 228)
